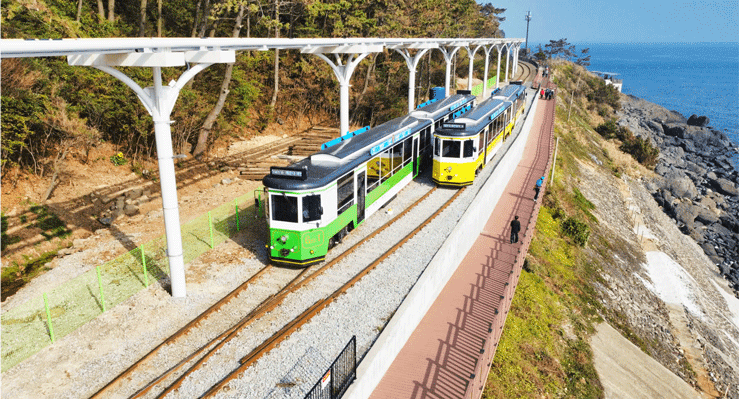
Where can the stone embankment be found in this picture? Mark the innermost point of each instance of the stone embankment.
(696, 183)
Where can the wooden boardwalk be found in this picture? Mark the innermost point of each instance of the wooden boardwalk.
(450, 352)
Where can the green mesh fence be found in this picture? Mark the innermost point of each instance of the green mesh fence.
(25, 328)
(477, 90)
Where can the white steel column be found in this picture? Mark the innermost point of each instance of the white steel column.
(507, 62)
(497, 73)
(159, 101)
(412, 62)
(487, 62)
(343, 71)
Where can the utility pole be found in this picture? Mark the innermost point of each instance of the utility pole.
(528, 19)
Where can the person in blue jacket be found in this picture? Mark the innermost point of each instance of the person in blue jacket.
(539, 183)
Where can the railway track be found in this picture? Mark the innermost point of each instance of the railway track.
(144, 379)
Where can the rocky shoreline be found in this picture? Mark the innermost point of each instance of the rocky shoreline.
(696, 183)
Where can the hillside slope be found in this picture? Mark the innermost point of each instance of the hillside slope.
(636, 271)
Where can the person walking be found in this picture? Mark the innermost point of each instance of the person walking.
(515, 228)
(537, 187)
(541, 95)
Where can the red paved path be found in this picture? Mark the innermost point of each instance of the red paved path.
(458, 336)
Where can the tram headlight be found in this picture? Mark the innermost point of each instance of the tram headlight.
(283, 239)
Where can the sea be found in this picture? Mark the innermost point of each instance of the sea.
(690, 78)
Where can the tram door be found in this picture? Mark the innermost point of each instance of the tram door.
(415, 156)
(360, 196)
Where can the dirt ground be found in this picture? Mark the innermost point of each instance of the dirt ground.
(198, 192)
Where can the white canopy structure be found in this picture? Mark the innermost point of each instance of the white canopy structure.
(197, 54)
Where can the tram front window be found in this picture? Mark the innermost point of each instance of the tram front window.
(450, 149)
(284, 208)
(468, 148)
(312, 208)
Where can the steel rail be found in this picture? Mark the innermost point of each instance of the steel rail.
(296, 323)
(268, 305)
(182, 331)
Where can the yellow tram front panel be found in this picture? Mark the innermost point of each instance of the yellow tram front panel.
(457, 170)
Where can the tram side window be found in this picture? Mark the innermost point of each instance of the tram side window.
(481, 141)
(284, 208)
(407, 151)
(345, 192)
(396, 154)
(374, 170)
(468, 148)
(437, 146)
(312, 208)
(451, 149)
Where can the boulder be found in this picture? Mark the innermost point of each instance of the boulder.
(674, 129)
(724, 186)
(696, 120)
(709, 249)
(656, 127)
(686, 213)
(134, 193)
(130, 210)
(679, 184)
(706, 217)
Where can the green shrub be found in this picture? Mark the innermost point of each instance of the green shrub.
(577, 230)
(642, 150)
(607, 129)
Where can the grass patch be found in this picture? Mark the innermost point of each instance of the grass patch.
(15, 276)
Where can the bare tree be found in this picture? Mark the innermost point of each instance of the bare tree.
(111, 10)
(159, 18)
(101, 10)
(142, 20)
(72, 132)
(202, 144)
(79, 10)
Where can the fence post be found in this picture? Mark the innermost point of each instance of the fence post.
(100, 284)
(143, 261)
(48, 318)
(236, 205)
(210, 226)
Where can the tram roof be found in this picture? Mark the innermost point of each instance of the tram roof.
(438, 108)
(331, 163)
(479, 116)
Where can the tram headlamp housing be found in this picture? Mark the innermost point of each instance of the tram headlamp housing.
(283, 239)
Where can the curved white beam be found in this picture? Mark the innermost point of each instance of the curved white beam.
(10, 48)
(343, 72)
(411, 62)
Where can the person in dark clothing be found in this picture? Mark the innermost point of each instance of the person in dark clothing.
(537, 187)
(515, 228)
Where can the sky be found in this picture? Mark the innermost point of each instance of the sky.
(621, 21)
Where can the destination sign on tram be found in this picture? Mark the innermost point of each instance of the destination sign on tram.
(454, 126)
(289, 173)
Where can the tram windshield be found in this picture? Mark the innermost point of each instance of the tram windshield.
(284, 208)
(312, 208)
(451, 148)
(469, 148)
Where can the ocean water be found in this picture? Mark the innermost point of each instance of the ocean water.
(691, 78)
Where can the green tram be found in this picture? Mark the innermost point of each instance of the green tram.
(462, 148)
(312, 204)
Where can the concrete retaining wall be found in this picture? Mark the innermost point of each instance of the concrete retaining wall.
(439, 271)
